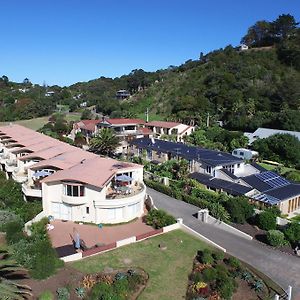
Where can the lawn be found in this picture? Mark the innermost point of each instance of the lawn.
(168, 269)
(34, 124)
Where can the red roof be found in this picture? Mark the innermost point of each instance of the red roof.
(87, 124)
(145, 130)
(163, 124)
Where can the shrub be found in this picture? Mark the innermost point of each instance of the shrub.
(239, 209)
(159, 218)
(14, 231)
(233, 262)
(218, 255)
(209, 274)
(6, 217)
(275, 238)
(102, 291)
(206, 257)
(63, 293)
(274, 210)
(292, 232)
(226, 288)
(266, 220)
(46, 295)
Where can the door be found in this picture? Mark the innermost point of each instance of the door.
(61, 211)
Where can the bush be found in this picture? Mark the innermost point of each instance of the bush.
(266, 220)
(218, 255)
(227, 288)
(46, 295)
(6, 217)
(275, 238)
(205, 256)
(159, 218)
(63, 293)
(292, 232)
(233, 262)
(209, 274)
(14, 231)
(239, 209)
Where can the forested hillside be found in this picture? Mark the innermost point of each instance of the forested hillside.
(245, 89)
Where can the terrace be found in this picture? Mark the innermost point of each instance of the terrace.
(123, 191)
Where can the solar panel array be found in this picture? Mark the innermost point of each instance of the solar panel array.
(266, 199)
(272, 179)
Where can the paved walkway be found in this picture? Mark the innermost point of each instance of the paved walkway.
(282, 268)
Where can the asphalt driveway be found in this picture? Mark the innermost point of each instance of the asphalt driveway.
(280, 267)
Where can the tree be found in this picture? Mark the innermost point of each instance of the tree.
(284, 25)
(266, 220)
(279, 147)
(239, 209)
(10, 289)
(292, 232)
(86, 115)
(105, 142)
(26, 81)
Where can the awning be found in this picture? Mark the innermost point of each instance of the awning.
(124, 178)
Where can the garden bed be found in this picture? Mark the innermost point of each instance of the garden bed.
(215, 276)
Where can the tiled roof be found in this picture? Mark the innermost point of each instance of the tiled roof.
(74, 163)
(163, 124)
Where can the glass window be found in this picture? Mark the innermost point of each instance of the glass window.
(87, 210)
(74, 190)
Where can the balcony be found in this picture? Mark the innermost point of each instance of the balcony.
(11, 165)
(31, 190)
(20, 177)
(74, 200)
(124, 191)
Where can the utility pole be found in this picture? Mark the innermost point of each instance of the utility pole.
(147, 115)
(207, 121)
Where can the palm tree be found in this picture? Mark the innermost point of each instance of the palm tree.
(105, 142)
(11, 290)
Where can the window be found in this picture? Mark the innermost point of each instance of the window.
(87, 210)
(242, 153)
(208, 169)
(238, 165)
(74, 190)
(234, 152)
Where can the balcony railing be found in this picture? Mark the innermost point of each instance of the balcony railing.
(125, 192)
(32, 190)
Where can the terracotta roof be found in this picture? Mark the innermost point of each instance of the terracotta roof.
(145, 130)
(88, 171)
(87, 124)
(162, 124)
(74, 163)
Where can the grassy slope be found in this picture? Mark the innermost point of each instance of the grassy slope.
(34, 124)
(168, 269)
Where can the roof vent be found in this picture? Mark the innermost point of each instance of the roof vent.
(82, 161)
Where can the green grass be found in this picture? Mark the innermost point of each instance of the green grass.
(168, 269)
(73, 117)
(152, 117)
(295, 219)
(34, 124)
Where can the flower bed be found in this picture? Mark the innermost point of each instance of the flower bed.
(215, 277)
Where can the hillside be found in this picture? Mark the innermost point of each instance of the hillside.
(244, 89)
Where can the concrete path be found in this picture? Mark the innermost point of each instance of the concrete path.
(280, 267)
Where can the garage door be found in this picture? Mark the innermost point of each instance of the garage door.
(61, 211)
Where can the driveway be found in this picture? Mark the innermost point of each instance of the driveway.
(280, 267)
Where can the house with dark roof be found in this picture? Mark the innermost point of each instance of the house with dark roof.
(200, 160)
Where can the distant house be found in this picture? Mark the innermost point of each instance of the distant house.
(262, 133)
(49, 94)
(244, 153)
(178, 130)
(243, 47)
(125, 129)
(122, 94)
(83, 104)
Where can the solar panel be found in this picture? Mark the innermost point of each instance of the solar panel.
(272, 179)
(266, 199)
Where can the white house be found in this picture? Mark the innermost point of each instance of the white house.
(178, 130)
(72, 184)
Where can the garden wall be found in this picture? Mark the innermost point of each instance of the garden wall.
(213, 221)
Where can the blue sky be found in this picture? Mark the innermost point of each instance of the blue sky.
(66, 41)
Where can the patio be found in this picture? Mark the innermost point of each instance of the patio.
(63, 234)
